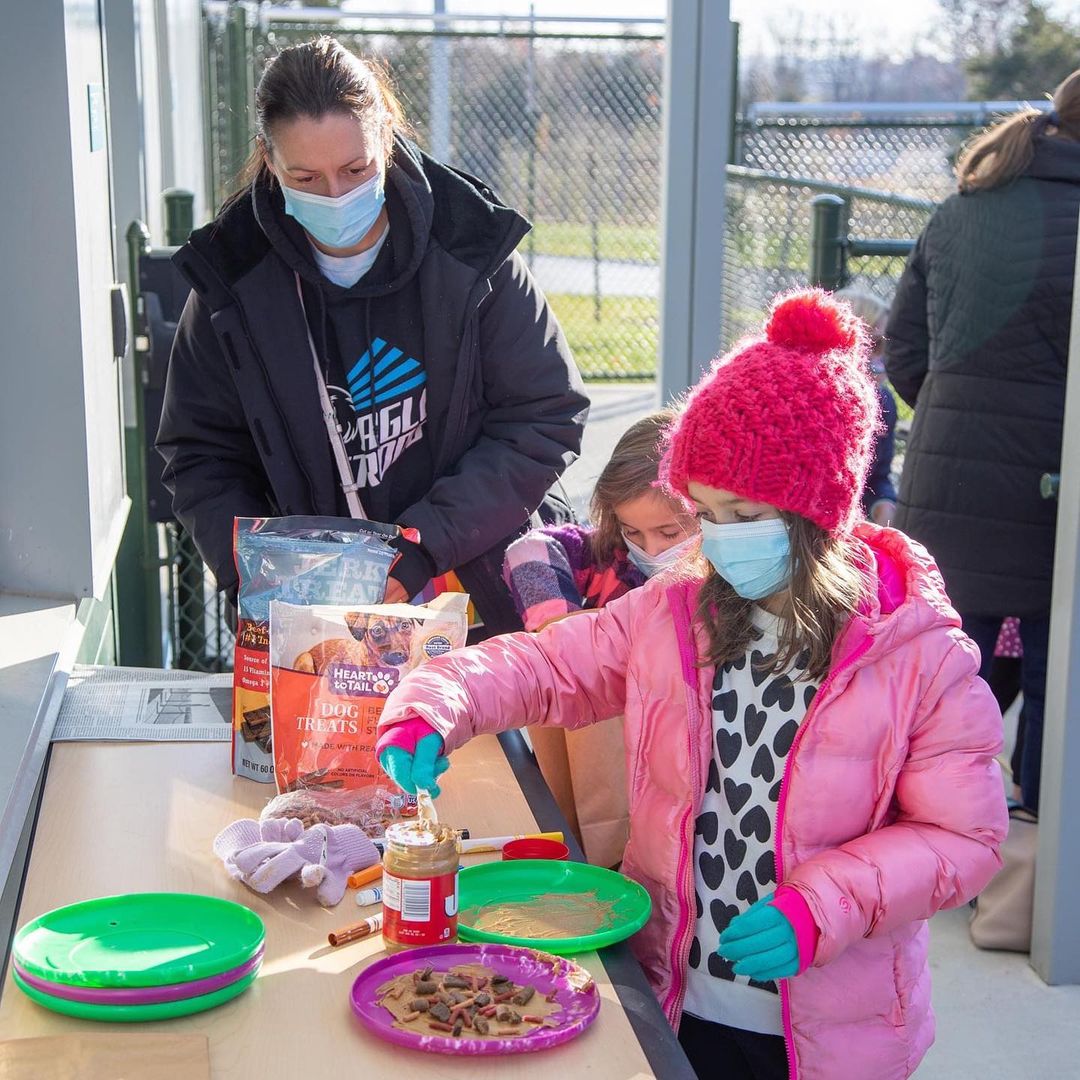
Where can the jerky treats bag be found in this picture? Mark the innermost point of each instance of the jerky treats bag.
(332, 669)
(304, 560)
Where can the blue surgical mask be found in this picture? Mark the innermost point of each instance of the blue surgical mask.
(341, 221)
(653, 564)
(754, 557)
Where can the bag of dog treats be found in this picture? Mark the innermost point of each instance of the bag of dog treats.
(332, 669)
(304, 560)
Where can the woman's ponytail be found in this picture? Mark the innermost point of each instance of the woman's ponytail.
(1003, 152)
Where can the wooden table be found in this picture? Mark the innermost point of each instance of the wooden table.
(138, 817)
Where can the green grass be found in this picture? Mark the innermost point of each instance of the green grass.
(622, 344)
(637, 243)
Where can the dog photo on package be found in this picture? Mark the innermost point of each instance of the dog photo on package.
(332, 669)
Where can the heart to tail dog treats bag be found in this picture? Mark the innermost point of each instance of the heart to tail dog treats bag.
(332, 668)
(304, 560)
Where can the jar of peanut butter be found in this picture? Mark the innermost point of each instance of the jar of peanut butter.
(420, 897)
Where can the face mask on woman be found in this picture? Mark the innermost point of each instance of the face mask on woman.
(653, 564)
(338, 221)
(754, 557)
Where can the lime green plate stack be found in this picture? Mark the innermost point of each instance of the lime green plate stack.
(142, 956)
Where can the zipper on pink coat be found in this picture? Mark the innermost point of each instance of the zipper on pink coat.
(684, 633)
(781, 807)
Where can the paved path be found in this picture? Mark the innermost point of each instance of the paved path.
(615, 406)
(577, 276)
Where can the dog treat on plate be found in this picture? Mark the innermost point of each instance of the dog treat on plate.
(331, 670)
(417, 1004)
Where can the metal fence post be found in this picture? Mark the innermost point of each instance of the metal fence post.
(1055, 938)
(190, 569)
(238, 84)
(828, 239)
(179, 215)
(138, 569)
(697, 111)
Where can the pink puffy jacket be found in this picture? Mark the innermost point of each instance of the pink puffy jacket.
(891, 806)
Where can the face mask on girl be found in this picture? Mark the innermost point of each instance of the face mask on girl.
(754, 557)
(341, 221)
(653, 564)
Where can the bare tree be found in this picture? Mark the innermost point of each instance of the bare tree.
(971, 28)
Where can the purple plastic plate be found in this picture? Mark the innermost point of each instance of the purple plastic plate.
(573, 986)
(141, 995)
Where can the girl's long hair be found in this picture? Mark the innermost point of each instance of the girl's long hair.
(1003, 152)
(315, 79)
(632, 471)
(825, 590)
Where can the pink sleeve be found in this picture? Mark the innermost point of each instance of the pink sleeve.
(405, 734)
(942, 848)
(571, 674)
(797, 912)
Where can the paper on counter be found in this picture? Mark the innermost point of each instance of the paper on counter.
(130, 1055)
(144, 705)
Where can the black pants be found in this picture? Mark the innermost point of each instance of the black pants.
(719, 1052)
(1035, 637)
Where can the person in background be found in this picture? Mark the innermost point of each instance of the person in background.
(811, 750)
(636, 531)
(879, 494)
(362, 339)
(977, 342)
(1004, 680)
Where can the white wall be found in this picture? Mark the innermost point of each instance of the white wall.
(62, 505)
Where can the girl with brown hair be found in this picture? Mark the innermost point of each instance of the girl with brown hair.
(810, 751)
(977, 341)
(363, 340)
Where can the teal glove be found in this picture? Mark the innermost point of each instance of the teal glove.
(417, 769)
(761, 943)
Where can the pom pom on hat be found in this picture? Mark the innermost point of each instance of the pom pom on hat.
(787, 418)
(813, 321)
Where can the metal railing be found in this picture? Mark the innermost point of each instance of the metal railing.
(904, 148)
(167, 592)
(773, 240)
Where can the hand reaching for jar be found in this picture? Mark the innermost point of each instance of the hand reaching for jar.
(411, 754)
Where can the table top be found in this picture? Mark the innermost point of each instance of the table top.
(139, 817)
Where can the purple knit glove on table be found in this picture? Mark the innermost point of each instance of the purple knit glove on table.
(264, 854)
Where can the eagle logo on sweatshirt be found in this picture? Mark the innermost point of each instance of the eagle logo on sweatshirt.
(386, 400)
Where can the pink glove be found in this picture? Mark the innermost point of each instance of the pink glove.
(264, 854)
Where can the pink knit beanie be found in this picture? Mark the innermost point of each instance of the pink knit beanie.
(786, 419)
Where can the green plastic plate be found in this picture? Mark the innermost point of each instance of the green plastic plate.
(528, 881)
(128, 1014)
(141, 939)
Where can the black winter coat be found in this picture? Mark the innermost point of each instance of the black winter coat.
(978, 341)
(242, 432)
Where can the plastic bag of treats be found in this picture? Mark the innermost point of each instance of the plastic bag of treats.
(304, 560)
(371, 808)
(332, 669)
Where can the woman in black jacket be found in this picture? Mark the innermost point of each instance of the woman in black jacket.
(350, 260)
(978, 342)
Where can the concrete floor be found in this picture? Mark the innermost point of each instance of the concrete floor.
(996, 1019)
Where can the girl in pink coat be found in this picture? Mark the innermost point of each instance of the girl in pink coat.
(810, 753)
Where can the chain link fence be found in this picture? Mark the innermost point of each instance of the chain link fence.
(767, 242)
(563, 126)
(196, 623)
(904, 149)
(566, 127)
